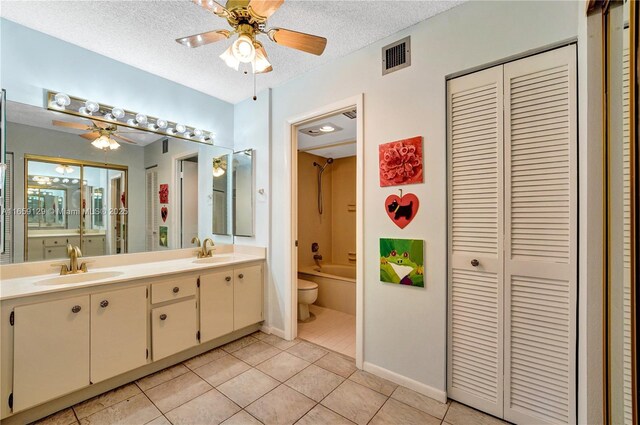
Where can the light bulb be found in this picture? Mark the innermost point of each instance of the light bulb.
(60, 169)
(84, 111)
(132, 122)
(65, 180)
(326, 129)
(229, 59)
(162, 124)
(218, 171)
(113, 144)
(197, 132)
(56, 180)
(118, 112)
(243, 49)
(141, 118)
(62, 100)
(180, 128)
(74, 181)
(101, 142)
(92, 106)
(108, 116)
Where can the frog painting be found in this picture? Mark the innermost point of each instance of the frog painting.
(402, 261)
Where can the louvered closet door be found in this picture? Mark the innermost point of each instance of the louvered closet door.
(475, 116)
(151, 229)
(541, 240)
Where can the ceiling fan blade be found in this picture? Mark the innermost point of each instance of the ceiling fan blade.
(100, 124)
(68, 124)
(124, 139)
(198, 40)
(265, 8)
(299, 40)
(91, 136)
(212, 6)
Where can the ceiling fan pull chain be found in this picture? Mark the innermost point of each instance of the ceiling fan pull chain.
(254, 81)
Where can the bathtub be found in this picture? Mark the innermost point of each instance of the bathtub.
(336, 285)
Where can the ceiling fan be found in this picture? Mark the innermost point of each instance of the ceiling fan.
(248, 19)
(102, 135)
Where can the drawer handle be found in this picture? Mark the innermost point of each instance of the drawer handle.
(76, 309)
(176, 290)
(475, 263)
(163, 317)
(228, 278)
(55, 242)
(240, 275)
(104, 303)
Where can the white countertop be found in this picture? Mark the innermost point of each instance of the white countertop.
(30, 285)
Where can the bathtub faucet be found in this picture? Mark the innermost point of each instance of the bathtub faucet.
(317, 258)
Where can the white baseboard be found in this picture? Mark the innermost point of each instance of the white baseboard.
(424, 389)
(273, 331)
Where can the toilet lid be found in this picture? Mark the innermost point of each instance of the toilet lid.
(305, 284)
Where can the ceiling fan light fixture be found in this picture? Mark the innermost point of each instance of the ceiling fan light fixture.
(243, 49)
(261, 62)
(229, 59)
(113, 144)
(101, 142)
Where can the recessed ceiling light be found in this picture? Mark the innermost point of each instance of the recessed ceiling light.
(326, 129)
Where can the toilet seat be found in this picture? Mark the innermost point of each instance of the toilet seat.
(305, 285)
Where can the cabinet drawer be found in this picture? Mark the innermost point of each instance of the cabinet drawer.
(55, 242)
(173, 289)
(53, 252)
(173, 328)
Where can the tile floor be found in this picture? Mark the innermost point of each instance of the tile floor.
(332, 329)
(262, 379)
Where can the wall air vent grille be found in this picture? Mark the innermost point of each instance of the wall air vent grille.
(352, 114)
(396, 55)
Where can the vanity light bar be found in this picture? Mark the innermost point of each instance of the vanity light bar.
(92, 110)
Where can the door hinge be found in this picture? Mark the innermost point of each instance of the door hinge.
(12, 318)
(198, 282)
(11, 401)
(198, 335)
(147, 292)
(296, 243)
(147, 353)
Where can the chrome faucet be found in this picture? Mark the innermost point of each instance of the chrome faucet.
(208, 252)
(74, 253)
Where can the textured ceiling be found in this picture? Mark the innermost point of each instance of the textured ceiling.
(142, 34)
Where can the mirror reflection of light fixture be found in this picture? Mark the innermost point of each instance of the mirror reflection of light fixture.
(64, 169)
(105, 142)
(326, 129)
(62, 100)
(219, 167)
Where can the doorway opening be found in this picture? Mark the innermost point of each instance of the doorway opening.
(326, 212)
(188, 200)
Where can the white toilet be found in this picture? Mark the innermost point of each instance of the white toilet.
(307, 294)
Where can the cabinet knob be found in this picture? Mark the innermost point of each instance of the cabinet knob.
(475, 263)
(228, 278)
(76, 309)
(176, 290)
(240, 275)
(104, 303)
(163, 317)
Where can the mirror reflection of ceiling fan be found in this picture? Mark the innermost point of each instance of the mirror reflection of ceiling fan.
(248, 19)
(102, 135)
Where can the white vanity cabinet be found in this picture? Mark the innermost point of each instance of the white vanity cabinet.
(51, 350)
(174, 328)
(216, 304)
(118, 332)
(247, 296)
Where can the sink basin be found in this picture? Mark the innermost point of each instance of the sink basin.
(220, 258)
(78, 278)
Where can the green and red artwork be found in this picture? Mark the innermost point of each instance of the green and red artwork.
(402, 261)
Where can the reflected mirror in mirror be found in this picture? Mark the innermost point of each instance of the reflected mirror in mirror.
(221, 189)
(243, 184)
(108, 190)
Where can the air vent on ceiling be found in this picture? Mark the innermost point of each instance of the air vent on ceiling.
(396, 55)
(350, 114)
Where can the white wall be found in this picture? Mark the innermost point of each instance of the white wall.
(405, 328)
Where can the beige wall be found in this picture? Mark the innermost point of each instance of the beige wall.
(343, 210)
(312, 227)
(335, 229)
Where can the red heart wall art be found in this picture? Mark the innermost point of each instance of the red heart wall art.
(164, 212)
(401, 210)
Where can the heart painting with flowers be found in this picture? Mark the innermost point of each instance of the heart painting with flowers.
(401, 162)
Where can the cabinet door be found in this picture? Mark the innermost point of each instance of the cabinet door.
(118, 332)
(51, 350)
(173, 328)
(247, 296)
(216, 305)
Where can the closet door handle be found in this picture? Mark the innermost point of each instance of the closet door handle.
(475, 263)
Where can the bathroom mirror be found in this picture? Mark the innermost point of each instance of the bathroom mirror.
(221, 189)
(243, 186)
(151, 192)
(622, 147)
